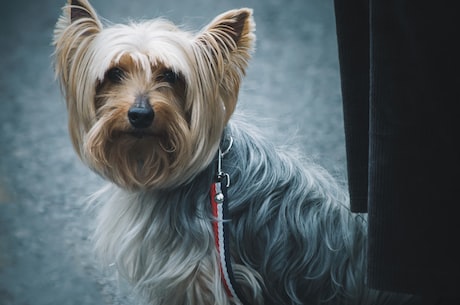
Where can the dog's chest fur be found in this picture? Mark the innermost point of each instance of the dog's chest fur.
(290, 231)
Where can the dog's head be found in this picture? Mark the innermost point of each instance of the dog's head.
(147, 102)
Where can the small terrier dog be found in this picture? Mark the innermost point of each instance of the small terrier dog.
(149, 108)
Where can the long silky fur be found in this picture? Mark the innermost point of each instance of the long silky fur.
(293, 238)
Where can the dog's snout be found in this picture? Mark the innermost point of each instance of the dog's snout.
(141, 113)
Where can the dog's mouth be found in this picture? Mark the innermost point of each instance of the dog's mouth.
(135, 134)
(144, 136)
(141, 133)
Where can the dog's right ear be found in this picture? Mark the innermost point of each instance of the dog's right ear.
(74, 34)
(75, 29)
(81, 15)
(80, 9)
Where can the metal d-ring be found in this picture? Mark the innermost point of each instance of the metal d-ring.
(221, 155)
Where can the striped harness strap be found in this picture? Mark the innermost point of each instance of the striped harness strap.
(219, 204)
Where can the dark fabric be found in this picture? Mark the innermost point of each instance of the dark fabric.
(352, 19)
(400, 76)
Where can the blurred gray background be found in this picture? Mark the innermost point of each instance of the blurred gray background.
(292, 90)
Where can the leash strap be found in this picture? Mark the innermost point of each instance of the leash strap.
(218, 196)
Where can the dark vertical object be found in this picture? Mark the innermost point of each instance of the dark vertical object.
(352, 18)
(400, 72)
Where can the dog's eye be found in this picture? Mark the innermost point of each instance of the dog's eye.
(169, 76)
(115, 75)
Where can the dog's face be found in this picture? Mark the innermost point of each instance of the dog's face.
(147, 102)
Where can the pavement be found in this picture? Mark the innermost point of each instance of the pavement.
(292, 90)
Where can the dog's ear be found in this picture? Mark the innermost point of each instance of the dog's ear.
(232, 31)
(73, 34)
(227, 43)
(80, 14)
(75, 28)
(80, 9)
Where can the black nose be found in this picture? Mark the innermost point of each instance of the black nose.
(141, 113)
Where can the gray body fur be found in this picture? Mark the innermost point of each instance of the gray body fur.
(293, 238)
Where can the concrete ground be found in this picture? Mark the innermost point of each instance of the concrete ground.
(291, 89)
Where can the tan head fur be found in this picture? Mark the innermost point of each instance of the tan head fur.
(187, 83)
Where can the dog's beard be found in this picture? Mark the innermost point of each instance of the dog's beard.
(134, 158)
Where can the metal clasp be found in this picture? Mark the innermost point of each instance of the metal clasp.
(221, 176)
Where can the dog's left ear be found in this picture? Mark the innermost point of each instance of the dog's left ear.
(231, 31)
(227, 43)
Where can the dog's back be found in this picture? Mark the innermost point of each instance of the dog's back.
(291, 224)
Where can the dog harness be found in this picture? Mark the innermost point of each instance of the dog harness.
(219, 204)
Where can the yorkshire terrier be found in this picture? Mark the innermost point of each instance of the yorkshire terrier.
(201, 209)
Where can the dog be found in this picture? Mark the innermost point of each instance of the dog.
(200, 208)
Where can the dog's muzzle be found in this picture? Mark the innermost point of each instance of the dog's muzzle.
(141, 113)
